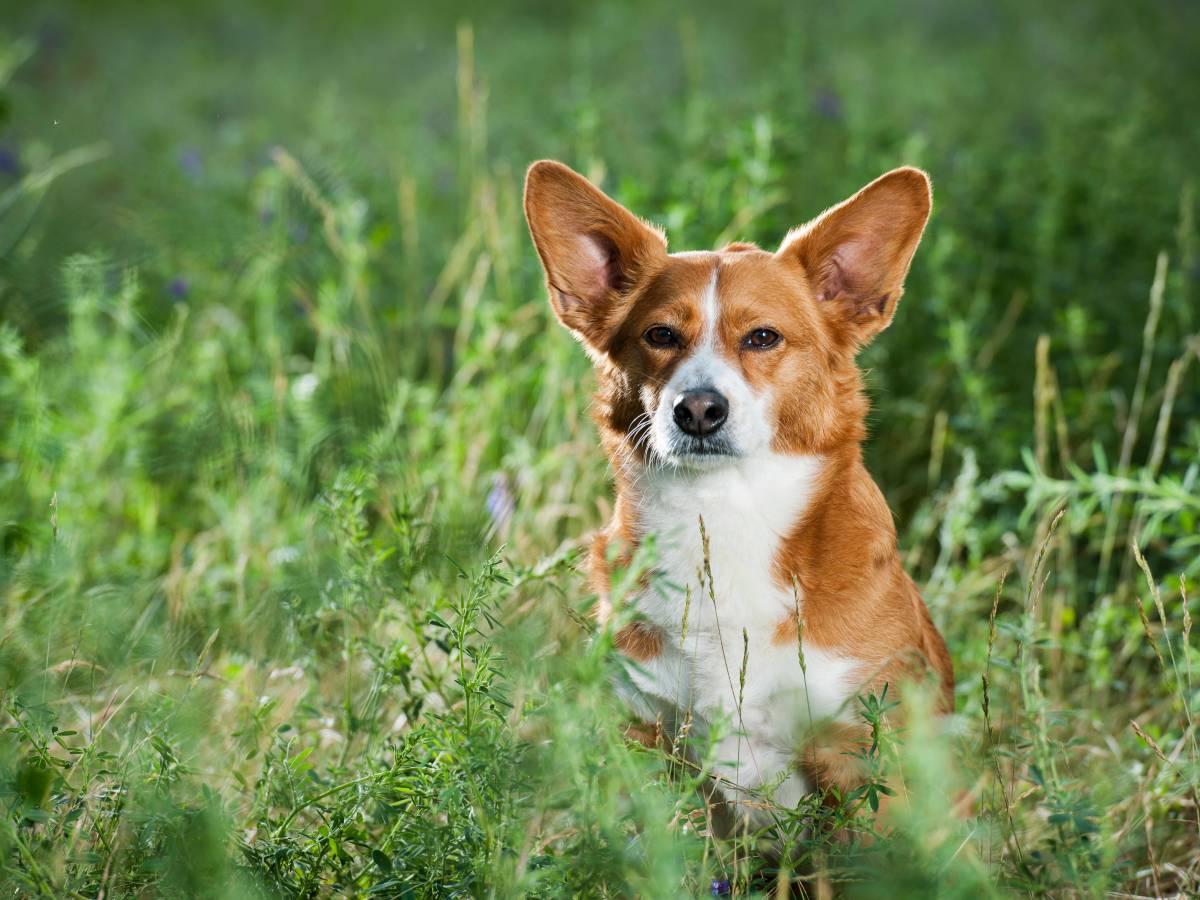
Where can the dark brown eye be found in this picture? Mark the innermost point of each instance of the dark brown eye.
(661, 336)
(761, 339)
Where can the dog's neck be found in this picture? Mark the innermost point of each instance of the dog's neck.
(783, 489)
(815, 525)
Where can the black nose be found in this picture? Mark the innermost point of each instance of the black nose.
(700, 413)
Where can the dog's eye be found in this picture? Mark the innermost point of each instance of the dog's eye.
(661, 336)
(761, 339)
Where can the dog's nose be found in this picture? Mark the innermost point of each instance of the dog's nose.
(700, 413)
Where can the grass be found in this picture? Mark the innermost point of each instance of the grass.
(296, 469)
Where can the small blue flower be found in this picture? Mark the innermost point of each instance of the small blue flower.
(191, 163)
(179, 288)
(721, 887)
(10, 163)
(829, 104)
(500, 503)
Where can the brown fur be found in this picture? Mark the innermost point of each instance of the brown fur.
(639, 641)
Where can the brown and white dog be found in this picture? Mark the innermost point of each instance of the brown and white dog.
(728, 393)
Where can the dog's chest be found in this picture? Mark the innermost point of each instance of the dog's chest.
(718, 599)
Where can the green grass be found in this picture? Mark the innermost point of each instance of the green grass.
(275, 357)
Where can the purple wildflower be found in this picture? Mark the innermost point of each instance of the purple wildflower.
(829, 104)
(191, 163)
(721, 887)
(51, 35)
(179, 288)
(500, 503)
(10, 164)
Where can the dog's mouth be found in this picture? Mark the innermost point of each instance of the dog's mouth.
(704, 452)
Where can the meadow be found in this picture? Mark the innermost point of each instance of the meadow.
(297, 470)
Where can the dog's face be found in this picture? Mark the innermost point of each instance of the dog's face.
(706, 358)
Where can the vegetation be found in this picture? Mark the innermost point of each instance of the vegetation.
(296, 469)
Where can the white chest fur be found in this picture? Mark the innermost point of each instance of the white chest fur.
(720, 663)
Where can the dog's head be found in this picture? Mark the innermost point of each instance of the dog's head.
(705, 358)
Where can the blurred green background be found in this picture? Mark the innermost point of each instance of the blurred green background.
(295, 466)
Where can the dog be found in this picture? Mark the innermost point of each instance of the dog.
(732, 412)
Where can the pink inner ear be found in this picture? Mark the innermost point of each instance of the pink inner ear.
(856, 268)
(844, 269)
(597, 271)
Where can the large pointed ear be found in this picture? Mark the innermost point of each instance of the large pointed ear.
(592, 248)
(857, 253)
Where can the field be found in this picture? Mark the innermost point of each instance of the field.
(296, 468)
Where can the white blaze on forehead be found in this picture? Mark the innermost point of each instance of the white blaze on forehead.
(705, 365)
(699, 369)
(710, 310)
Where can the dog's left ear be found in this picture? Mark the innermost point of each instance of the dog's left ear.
(857, 254)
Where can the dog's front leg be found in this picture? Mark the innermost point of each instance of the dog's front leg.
(753, 780)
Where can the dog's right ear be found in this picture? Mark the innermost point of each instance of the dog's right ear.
(593, 249)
